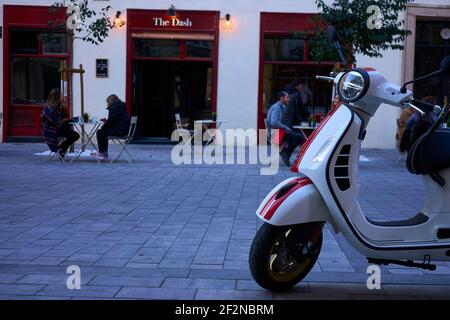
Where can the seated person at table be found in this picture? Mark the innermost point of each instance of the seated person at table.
(296, 110)
(55, 124)
(117, 124)
(275, 121)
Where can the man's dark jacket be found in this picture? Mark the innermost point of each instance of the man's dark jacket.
(118, 118)
(295, 111)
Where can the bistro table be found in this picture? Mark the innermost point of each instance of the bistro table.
(86, 135)
(304, 130)
(206, 123)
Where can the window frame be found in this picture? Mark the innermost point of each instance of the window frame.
(39, 55)
(304, 62)
(182, 52)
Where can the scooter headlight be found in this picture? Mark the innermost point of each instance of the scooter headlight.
(353, 85)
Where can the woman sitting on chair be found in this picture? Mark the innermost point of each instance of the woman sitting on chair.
(55, 124)
(117, 124)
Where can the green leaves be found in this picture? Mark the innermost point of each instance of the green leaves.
(351, 21)
(91, 26)
(319, 47)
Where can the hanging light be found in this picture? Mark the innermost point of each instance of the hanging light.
(228, 20)
(118, 21)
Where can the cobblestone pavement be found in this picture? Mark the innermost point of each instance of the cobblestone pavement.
(154, 230)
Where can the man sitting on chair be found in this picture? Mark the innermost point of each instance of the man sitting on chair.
(117, 124)
(275, 121)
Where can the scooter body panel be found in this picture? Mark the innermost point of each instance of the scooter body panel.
(306, 204)
(336, 180)
(329, 162)
(301, 203)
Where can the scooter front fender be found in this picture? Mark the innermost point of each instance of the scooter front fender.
(295, 200)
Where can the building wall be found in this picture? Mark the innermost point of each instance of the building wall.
(237, 96)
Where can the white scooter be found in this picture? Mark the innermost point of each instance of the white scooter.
(288, 244)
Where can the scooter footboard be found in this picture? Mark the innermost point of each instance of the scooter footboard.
(295, 200)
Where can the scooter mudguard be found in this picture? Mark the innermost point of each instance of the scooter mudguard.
(295, 200)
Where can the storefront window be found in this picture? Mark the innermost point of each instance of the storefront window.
(24, 42)
(284, 49)
(27, 42)
(199, 49)
(278, 76)
(430, 48)
(19, 81)
(429, 33)
(35, 50)
(54, 43)
(157, 48)
(32, 79)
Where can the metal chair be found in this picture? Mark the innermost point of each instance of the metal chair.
(52, 154)
(186, 134)
(123, 141)
(282, 146)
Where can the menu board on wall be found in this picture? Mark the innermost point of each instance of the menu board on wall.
(102, 68)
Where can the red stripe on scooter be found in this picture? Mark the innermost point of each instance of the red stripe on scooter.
(272, 198)
(272, 205)
(305, 146)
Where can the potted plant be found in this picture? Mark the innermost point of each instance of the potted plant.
(85, 117)
(214, 116)
(312, 123)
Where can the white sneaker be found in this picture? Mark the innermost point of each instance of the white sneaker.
(102, 157)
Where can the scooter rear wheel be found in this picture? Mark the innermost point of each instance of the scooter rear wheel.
(280, 256)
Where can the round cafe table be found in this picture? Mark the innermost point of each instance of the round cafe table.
(86, 135)
(305, 130)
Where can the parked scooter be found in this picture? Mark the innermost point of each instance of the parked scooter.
(288, 244)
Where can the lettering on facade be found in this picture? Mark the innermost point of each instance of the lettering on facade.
(173, 22)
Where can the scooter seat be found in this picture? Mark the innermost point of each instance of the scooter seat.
(433, 152)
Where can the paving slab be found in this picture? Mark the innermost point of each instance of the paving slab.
(154, 230)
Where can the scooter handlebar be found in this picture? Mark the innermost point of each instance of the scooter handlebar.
(325, 78)
(424, 105)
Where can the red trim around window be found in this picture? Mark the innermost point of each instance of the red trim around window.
(141, 20)
(24, 17)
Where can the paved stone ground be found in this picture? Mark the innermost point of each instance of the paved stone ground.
(153, 230)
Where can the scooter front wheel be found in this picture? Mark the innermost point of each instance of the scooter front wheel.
(281, 256)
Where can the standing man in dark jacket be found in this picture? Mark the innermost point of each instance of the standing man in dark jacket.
(117, 124)
(296, 111)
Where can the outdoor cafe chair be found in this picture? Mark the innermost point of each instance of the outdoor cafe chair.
(186, 134)
(56, 154)
(281, 145)
(123, 141)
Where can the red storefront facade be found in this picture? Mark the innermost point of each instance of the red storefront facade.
(171, 48)
(30, 66)
(172, 66)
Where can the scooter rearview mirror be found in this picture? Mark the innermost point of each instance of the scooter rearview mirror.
(333, 38)
(445, 66)
(444, 70)
(332, 34)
